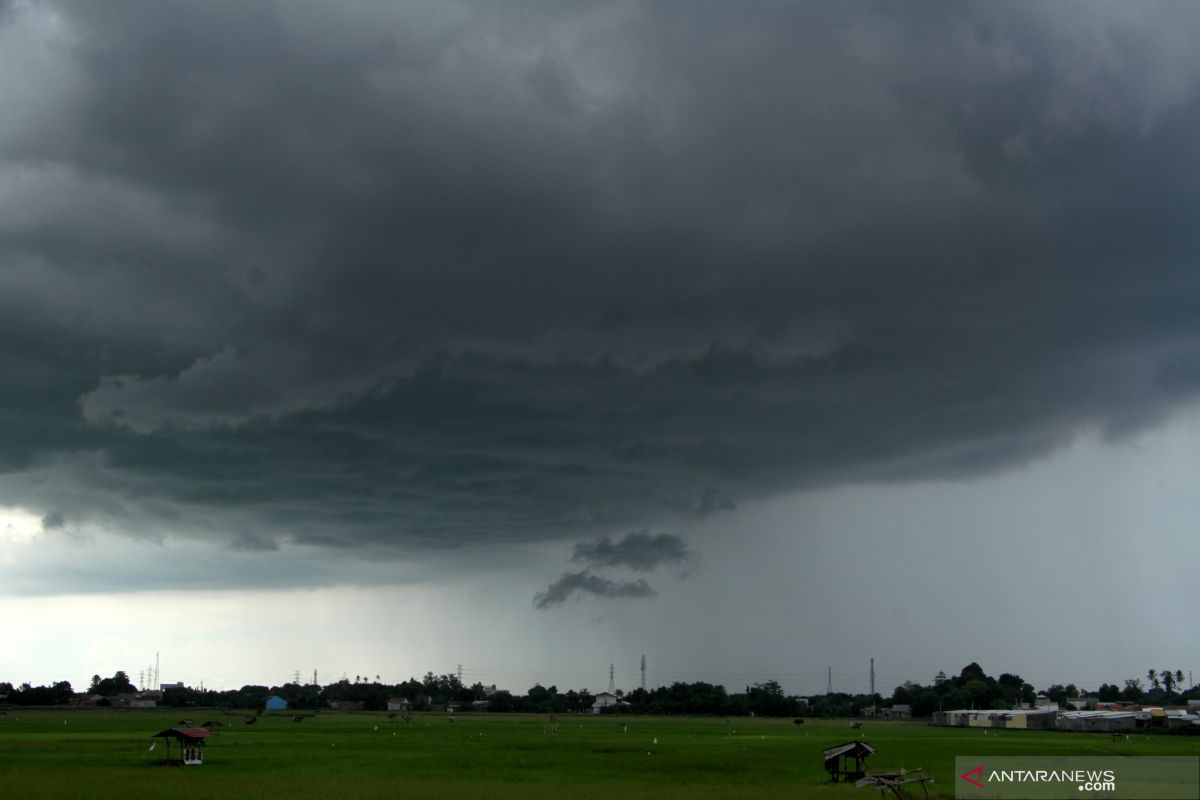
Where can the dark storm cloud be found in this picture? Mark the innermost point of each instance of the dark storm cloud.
(423, 275)
(640, 551)
(583, 582)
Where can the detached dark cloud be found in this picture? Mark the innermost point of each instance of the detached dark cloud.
(640, 551)
(584, 582)
(418, 276)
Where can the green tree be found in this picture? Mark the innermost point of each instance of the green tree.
(1168, 681)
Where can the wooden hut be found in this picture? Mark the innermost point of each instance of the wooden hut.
(191, 745)
(847, 762)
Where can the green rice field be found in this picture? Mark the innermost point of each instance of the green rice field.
(98, 754)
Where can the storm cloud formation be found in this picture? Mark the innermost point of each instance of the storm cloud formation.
(640, 551)
(585, 582)
(402, 276)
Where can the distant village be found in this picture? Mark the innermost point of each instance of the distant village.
(969, 699)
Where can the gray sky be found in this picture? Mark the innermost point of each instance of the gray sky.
(539, 336)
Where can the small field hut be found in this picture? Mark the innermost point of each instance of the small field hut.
(190, 752)
(847, 762)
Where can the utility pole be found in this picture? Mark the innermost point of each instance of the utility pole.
(460, 673)
(315, 678)
(612, 687)
(157, 676)
(644, 672)
(874, 709)
(829, 682)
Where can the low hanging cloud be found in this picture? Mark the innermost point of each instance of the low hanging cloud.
(573, 584)
(639, 551)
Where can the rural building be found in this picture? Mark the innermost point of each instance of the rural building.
(276, 703)
(1182, 719)
(399, 704)
(896, 712)
(347, 705)
(1107, 721)
(479, 705)
(190, 745)
(1043, 719)
(847, 762)
(1019, 719)
(604, 700)
(1083, 703)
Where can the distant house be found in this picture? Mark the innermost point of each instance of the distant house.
(347, 705)
(488, 691)
(605, 700)
(399, 704)
(276, 703)
(145, 700)
(898, 711)
(479, 705)
(1031, 719)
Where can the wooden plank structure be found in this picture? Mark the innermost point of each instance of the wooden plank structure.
(847, 762)
(191, 745)
(895, 782)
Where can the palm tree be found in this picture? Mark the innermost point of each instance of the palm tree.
(1168, 680)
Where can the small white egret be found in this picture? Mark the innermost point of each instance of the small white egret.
(152, 746)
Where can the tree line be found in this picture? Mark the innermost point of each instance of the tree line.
(971, 688)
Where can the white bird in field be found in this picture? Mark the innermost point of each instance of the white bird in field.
(656, 740)
(153, 745)
(376, 727)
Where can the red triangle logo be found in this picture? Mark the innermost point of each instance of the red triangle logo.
(977, 771)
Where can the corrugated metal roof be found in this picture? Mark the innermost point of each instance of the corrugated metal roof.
(833, 752)
(183, 733)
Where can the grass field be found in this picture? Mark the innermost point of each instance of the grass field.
(103, 754)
